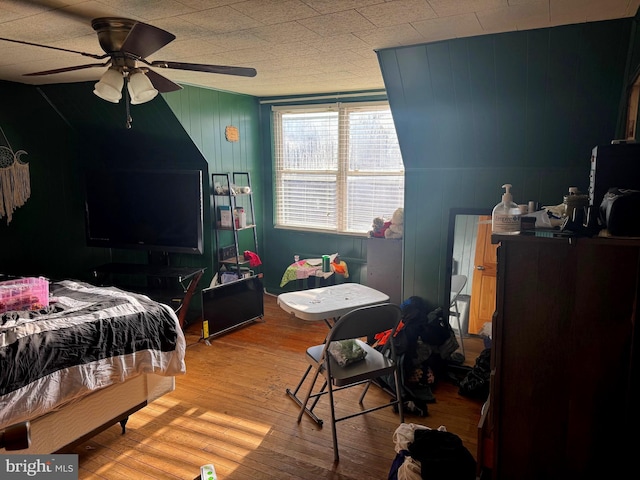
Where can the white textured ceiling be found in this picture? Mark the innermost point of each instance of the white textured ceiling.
(296, 46)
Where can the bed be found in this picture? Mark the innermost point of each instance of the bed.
(90, 359)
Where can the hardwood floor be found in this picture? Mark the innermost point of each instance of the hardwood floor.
(231, 409)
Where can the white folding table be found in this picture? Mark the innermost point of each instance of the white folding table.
(331, 302)
(326, 303)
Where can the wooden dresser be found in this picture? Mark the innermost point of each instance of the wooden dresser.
(564, 379)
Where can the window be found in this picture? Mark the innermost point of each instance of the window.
(337, 167)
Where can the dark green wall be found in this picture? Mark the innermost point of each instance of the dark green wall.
(66, 129)
(43, 238)
(78, 130)
(524, 108)
(205, 114)
(471, 114)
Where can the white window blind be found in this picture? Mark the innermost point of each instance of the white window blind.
(337, 166)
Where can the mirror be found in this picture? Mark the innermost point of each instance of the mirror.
(471, 254)
(632, 109)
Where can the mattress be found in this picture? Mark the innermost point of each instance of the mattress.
(88, 339)
(86, 416)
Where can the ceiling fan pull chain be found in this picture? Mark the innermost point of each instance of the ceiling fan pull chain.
(127, 101)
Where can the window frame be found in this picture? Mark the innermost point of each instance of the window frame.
(342, 173)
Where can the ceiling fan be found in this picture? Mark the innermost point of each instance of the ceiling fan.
(126, 44)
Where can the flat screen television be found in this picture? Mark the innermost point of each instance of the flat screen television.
(232, 304)
(153, 210)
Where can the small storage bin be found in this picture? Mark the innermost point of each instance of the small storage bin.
(24, 294)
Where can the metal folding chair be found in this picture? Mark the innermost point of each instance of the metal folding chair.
(360, 323)
(457, 284)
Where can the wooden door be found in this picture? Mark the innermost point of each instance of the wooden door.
(483, 286)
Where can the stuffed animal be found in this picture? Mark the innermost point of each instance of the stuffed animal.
(396, 228)
(379, 227)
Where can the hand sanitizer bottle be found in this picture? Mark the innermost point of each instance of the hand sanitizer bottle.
(505, 218)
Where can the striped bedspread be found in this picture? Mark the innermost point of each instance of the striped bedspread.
(87, 339)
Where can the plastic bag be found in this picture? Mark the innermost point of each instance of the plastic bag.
(346, 352)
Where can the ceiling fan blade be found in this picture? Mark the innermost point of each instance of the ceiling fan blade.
(198, 67)
(67, 69)
(162, 84)
(81, 12)
(145, 39)
(92, 55)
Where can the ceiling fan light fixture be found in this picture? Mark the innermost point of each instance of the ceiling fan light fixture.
(140, 88)
(109, 87)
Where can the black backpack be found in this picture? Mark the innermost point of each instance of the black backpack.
(442, 456)
(475, 384)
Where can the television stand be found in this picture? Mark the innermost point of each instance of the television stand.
(173, 286)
